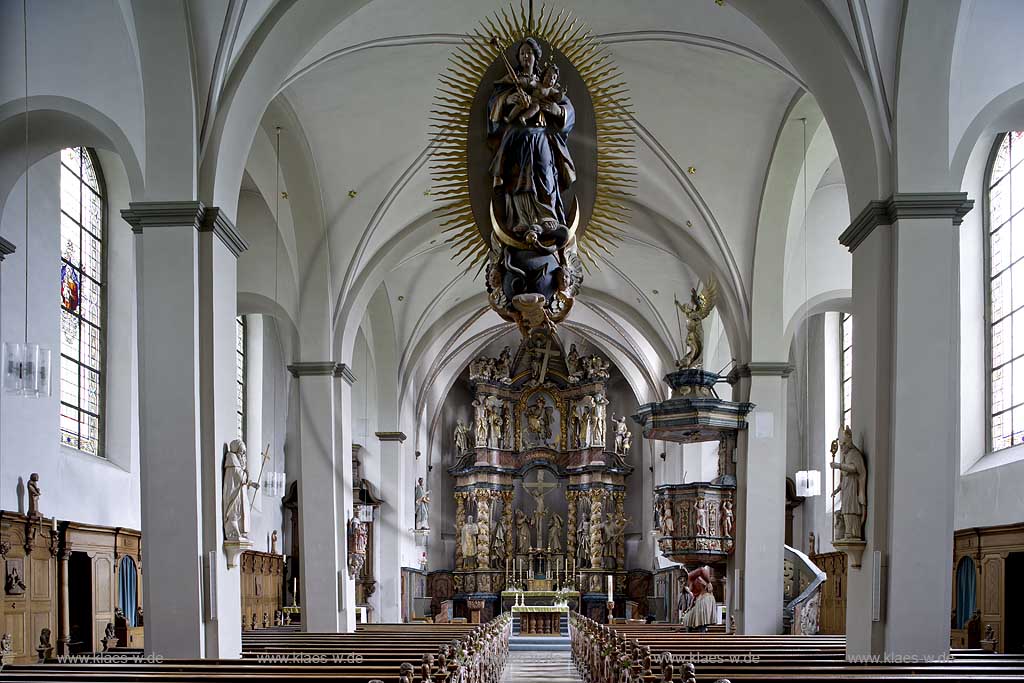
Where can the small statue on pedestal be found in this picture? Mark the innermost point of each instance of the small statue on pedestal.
(109, 639)
(852, 487)
(33, 495)
(623, 437)
(273, 542)
(422, 505)
(236, 485)
(44, 650)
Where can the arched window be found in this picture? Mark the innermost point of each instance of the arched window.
(82, 261)
(1005, 224)
(241, 367)
(846, 371)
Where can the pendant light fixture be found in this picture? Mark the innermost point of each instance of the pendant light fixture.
(26, 366)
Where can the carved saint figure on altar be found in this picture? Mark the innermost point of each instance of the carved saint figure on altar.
(461, 437)
(509, 438)
(583, 540)
(539, 416)
(236, 484)
(480, 421)
(852, 487)
(572, 364)
(469, 532)
(623, 437)
(700, 518)
(614, 531)
(522, 532)
(600, 419)
(503, 366)
(494, 422)
(358, 536)
(555, 534)
(422, 505)
(499, 547)
(584, 421)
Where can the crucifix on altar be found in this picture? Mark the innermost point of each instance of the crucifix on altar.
(537, 489)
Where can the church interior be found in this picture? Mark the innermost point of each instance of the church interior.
(463, 342)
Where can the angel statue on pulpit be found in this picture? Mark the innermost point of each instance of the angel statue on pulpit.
(700, 307)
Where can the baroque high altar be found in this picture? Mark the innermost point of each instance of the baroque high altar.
(540, 477)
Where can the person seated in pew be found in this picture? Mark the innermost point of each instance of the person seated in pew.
(702, 613)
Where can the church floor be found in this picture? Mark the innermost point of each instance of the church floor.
(550, 667)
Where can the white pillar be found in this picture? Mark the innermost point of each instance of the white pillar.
(219, 248)
(761, 500)
(185, 282)
(395, 523)
(319, 527)
(343, 381)
(905, 392)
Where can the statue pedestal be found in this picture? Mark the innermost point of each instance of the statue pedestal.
(692, 383)
(853, 547)
(235, 548)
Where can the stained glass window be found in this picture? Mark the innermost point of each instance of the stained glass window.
(1006, 291)
(81, 301)
(240, 368)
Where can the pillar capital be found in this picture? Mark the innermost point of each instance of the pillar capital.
(194, 214)
(6, 248)
(322, 368)
(905, 205)
(391, 436)
(760, 369)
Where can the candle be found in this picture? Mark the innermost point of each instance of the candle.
(54, 525)
(611, 588)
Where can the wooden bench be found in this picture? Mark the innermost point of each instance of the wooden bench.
(470, 653)
(631, 653)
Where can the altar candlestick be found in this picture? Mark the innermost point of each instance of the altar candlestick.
(611, 588)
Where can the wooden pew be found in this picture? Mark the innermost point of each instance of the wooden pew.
(633, 653)
(470, 653)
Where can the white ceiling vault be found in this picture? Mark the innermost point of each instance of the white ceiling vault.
(710, 91)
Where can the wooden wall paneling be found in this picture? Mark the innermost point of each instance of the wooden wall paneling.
(26, 613)
(262, 582)
(832, 613)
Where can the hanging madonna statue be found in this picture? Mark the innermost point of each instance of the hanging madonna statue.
(534, 270)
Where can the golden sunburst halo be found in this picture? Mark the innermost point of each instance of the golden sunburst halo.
(453, 104)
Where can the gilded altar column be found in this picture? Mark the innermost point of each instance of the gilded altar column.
(570, 527)
(620, 518)
(483, 536)
(460, 521)
(506, 515)
(597, 528)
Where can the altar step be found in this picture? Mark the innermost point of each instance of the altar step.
(539, 644)
(563, 628)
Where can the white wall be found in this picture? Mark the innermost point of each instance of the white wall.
(76, 486)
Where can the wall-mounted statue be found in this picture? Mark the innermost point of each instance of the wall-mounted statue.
(700, 307)
(509, 426)
(33, 495)
(623, 437)
(358, 536)
(422, 500)
(273, 542)
(499, 546)
(236, 485)
(583, 421)
(462, 438)
(494, 422)
(852, 489)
